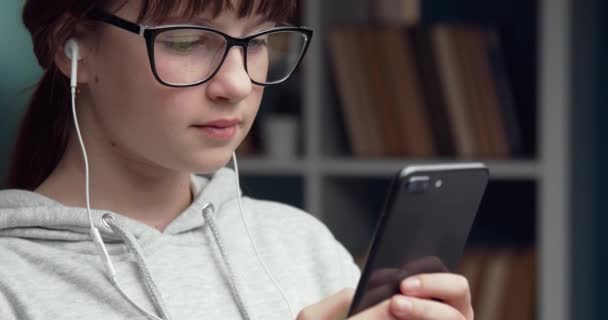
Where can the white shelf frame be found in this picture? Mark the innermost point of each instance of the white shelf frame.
(553, 236)
(347, 167)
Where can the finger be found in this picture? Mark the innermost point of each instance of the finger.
(375, 296)
(429, 264)
(420, 309)
(332, 308)
(382, 277)
(450, 288)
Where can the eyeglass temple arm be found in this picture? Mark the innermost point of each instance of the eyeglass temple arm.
(100, 15)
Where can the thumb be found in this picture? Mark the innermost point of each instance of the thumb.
(334, 307)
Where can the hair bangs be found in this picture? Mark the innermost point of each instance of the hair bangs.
(272, 10)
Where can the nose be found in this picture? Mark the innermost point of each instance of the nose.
(231, 83)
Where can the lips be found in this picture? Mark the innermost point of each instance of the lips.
(221, 123)
(223, 129)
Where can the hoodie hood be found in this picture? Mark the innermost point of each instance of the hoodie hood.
(30, 215)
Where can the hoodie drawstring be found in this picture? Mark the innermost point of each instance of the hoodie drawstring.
(208, 211)
(134, 248)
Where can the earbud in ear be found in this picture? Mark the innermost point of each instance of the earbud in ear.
(72, 52)
(71, 49)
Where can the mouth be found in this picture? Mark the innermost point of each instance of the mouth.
(223, 129)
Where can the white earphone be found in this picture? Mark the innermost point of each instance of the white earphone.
(73, 53)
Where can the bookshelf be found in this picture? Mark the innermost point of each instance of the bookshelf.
(345, 191)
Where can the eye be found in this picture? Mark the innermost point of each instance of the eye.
(258, 43)
(185, 43)
(180, 46)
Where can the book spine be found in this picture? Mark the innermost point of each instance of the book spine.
(506, 101)
(403, 12)
(434, 97)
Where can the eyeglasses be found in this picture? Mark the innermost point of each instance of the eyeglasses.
(188, 55)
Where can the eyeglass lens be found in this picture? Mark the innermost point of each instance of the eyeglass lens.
(188, 56)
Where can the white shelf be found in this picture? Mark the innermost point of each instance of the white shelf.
(554, 106)
(507, 169)
(348, 167)
(260, 165)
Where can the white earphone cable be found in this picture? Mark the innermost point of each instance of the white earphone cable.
(255, 248)
(84, 154)
(94, 232)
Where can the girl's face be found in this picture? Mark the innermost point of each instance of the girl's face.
(147, 123)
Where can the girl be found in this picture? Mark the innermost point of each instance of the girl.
(136, 97)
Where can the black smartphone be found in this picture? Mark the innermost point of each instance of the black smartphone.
(423, 228)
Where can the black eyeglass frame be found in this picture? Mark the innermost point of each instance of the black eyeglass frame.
(150, 33)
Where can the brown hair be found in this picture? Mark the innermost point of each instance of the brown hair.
(44, 131)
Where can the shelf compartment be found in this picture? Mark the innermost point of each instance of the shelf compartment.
(284, 189)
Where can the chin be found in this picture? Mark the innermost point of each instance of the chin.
(207, 165)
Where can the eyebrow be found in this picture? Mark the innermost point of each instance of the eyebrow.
(250, 28)
(181, 20)
(210, 23)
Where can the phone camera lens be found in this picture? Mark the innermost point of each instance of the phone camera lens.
(438, 184)
(419, 184)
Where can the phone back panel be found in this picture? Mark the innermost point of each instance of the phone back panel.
(423, 228)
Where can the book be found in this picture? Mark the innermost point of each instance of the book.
(493, 284)
(471, 268)
(492, 120)
(403, 12)
(504, 92)
(445, 53)
(502, 282)
(470, 91)
(423, 92)
(520, 293)
(434, 98)
(468, 76)
(372, 44)
(403, 83)
(355, 99)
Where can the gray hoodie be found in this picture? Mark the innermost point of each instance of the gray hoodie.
(203, 266)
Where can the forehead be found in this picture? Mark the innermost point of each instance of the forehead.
(160, 10)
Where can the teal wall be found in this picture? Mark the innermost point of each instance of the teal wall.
(584, 159)
(19, 72)
(601, 293)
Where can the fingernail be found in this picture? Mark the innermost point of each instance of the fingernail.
(403, 304)
(412, 284)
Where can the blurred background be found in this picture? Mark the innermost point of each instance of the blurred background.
(517, 84)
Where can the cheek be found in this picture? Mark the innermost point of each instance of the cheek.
(253, 105)
(125, 85)
(132, 108)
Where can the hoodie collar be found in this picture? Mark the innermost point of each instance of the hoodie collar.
(27, 214)
(219, 190)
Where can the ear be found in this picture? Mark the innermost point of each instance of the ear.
(64, 63)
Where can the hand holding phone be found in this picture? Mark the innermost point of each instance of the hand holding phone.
(383, 283)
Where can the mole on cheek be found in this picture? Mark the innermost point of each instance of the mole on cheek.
(96, 79)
